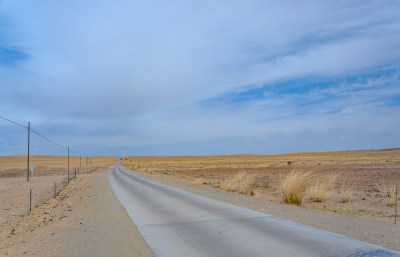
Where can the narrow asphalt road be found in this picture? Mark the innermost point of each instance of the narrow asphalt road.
(177, 223)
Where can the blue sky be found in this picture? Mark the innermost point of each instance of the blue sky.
(196, 78)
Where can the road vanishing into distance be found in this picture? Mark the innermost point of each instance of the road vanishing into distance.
(177, 223)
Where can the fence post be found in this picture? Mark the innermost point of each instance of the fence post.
(29, 135)
(75, 174)
(395, 208)
(30, 200)
(68, 164)
(55, 190)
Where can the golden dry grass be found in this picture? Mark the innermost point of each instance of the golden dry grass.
(242, 182)
(11, 166)
(52, 160)
(244, 161)
(347, 190)
(323, 188)
(199, 181)
(388, 191)
(294, 186)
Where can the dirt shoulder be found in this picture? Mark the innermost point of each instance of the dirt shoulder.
(85, 220)
(376, 232)
(14, 194)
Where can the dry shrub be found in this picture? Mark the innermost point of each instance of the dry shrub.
(389, 192)
(323, 188)
(242, 182)
(346, 191)
(199, 181)
(294, 186)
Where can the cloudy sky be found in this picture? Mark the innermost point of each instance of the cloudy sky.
(200, 77)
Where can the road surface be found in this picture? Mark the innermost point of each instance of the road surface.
(178, 223)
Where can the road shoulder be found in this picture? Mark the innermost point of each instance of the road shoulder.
(88, 221)
(106, 229)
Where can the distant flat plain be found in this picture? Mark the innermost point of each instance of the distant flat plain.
(365, 170)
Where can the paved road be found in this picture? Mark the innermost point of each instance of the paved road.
(177, 223)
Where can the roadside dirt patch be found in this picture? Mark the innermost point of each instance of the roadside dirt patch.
(85, 220)
(22, 234)
(14, 194)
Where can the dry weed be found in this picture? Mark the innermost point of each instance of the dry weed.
(242, 182)
(346, 191)
(389, 192)
(323, 188)
(199, 181)
(294, 186)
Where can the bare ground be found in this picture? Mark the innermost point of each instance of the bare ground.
(85, 220)
(14, 194)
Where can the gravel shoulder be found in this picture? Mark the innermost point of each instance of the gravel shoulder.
(375, 232)
(105, 229)
(85, 220)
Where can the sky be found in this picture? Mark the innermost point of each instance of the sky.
(199, 77)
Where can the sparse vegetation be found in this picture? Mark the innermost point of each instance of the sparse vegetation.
(346, 191)
(199, 181)
(352, 166)
(242, 182)
(323, 188)
(294, 185)
(359, 212)
(389, 192)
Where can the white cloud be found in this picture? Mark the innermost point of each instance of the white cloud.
(127, 69)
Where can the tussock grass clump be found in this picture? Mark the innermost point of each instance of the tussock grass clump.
(389, 192)
(199, 181)
(323, 188)
(242, 182)
(294, 185)
(346, 191)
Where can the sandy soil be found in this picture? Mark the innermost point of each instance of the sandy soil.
(14, 194)
(86, 219)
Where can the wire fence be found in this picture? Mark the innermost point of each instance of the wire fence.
(30, 180)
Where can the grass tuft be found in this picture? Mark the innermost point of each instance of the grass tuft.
(389, 192)
(294, 186)
(199, 181)
(243, 183)
(346, 191)
(323, 188)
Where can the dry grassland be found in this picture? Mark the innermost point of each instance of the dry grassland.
(15, 166)
(358, 183)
